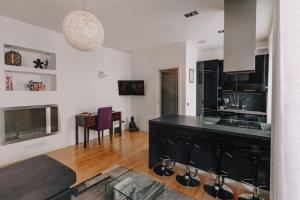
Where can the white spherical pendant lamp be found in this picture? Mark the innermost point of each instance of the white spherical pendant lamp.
(83, 30)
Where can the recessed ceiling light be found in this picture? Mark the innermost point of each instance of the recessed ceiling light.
(201, 41)
(191, 14)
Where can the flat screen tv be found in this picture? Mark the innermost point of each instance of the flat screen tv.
(135, 87)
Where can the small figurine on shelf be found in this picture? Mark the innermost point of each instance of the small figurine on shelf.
(46, 63)
(38, 63)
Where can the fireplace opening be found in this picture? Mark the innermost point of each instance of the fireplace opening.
(25, 123)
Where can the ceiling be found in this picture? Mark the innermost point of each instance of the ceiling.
(136, 24)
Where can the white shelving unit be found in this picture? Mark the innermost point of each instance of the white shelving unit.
(21, 75)
(11, 68)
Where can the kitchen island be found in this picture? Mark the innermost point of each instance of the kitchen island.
(203, 131)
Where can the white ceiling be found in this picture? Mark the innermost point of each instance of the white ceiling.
(135, 24)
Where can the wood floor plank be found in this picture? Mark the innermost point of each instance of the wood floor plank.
(129, 150)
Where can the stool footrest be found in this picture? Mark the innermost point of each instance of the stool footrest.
(219, 192)
(223, 173)
(163, 170)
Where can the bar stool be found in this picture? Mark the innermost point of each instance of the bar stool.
(256, 156)
(217, 188)
(164, 168)
(187, 179)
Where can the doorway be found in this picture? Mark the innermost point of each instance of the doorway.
(169, 92)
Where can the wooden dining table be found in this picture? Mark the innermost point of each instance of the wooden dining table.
(88, 121)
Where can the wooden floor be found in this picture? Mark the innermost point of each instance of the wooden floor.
(130, 151)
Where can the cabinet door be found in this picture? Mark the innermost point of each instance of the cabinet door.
(211, 86)
(200, 88)
(229, 82)
(245, 82)
(266, 72)
(254, 81)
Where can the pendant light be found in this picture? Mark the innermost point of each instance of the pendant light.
(83, 30)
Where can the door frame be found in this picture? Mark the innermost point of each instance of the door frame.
(160, 88)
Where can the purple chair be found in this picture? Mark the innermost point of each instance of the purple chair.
(103, 122)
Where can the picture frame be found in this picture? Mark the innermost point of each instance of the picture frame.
(191, 75)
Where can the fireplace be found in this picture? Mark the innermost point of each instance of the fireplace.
(25, 123)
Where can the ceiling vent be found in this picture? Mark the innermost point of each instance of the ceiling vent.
(191, 14)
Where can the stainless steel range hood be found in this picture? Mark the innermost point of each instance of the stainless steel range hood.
(239, 35)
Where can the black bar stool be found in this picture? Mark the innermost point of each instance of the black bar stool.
(164, 168)
(256, 156)
(217, 188)
(187, 179)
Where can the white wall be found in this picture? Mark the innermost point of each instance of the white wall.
(285, 162)
(146, 65)
(193, 54)
(78, 87)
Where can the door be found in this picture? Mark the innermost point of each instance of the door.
(169, 92)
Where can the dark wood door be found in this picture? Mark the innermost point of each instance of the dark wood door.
(169, 92)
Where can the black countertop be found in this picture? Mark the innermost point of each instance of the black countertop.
(208, 125)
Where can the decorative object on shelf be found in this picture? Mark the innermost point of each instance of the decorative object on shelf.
(132, 125)
(101, 75)
(38, 63)
(191, 76)
(83, 30)
(13, 58)
(46, 64)
(35, 86)
(9, 82)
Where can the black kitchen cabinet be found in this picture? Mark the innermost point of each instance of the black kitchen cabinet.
(249, 88)
(227, 81)
(266, 71)
(254, 81)
(207, 87)
(199, 88)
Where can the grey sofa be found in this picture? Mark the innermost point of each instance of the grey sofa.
(38, 178)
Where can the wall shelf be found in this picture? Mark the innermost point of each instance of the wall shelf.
(20, 69)
(20, 76)
(30, 55)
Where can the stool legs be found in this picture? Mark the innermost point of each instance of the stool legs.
(187, 179)
(255, 182)
(217, 188)
(248, 197)
(164, 169)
